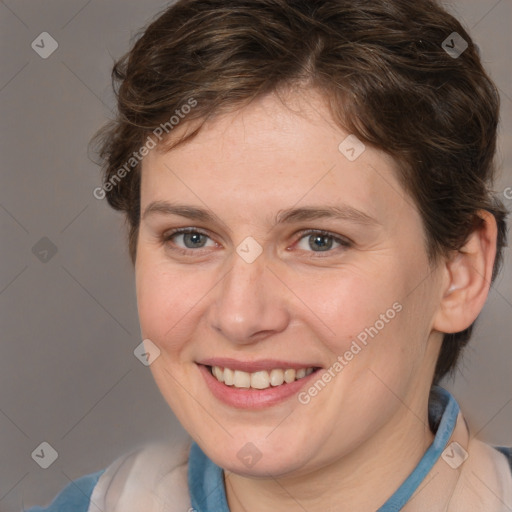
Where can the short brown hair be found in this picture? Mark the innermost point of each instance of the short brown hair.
(380, 64)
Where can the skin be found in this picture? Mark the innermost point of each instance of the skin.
(359, 438)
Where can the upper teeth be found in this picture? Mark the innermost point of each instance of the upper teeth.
(258, 380)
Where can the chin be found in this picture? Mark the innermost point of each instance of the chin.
(254, 461)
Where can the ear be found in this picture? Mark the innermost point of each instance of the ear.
(467, 278)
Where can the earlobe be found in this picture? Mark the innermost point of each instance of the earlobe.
(468, 274)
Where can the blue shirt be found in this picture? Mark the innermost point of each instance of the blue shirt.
(206, 483)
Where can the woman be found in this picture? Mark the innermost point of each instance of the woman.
(307, 188)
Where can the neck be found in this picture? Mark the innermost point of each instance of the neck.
(362, 480)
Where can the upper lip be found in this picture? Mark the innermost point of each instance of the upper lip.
(254, 366)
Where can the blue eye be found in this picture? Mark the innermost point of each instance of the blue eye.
(321, 240)
(192, 238)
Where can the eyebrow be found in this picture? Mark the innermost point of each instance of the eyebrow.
(288, 216)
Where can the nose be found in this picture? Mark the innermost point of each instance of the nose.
(250, 303)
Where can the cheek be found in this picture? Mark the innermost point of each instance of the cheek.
(369, 320)
(165, 302)
(347, 303)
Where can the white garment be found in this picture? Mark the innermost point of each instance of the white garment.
(154, 479)
(150, 479)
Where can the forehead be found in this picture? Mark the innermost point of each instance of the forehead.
(276, 154)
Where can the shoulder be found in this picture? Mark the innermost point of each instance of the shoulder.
(75, 496)
(487, 479)
(153, 477)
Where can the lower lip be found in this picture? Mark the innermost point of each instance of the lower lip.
(249, 398)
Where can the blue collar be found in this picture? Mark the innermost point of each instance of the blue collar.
(206, 482)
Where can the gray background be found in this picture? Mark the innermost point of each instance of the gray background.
(68, 375)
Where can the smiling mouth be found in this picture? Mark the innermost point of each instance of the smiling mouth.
(261, 379)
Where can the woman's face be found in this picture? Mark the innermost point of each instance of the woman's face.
(303, 254)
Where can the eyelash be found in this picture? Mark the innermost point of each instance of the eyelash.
(343, 242)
